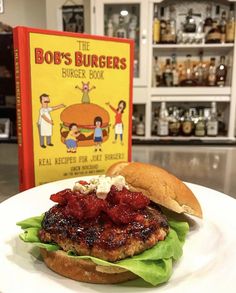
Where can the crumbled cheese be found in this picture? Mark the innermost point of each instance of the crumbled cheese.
(101, 185)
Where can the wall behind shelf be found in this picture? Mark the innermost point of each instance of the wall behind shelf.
(24, 12)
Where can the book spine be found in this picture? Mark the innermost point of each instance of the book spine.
(24, 123)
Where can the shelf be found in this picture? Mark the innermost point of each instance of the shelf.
(192, 46)
(186, 138)
(190, 99)
(210, 49)
(193, 92)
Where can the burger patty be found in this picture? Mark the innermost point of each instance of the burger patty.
(101, 237)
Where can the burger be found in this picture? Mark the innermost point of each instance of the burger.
(112, 229)
(84, 115)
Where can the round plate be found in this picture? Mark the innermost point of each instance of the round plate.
(207, 264)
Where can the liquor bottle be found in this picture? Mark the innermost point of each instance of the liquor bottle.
(156, 26)
(121, 30)
(173, 24)
(158, 73)
(169, 36)
(110, 29)
(167, 74)
(221, 72)
(212, 73)
(208, 21)
(140, 127)
(212, 123)
(163, 123)
(188, 80)
(187, 124)
(230, 26)
(217, 15)
(214, 34)
(175, 71)
(200, 127)
(132, 28)
(174, 122)
(162, 24)
(155, 121)
(223, 23)
(189, 25)
(200, 70)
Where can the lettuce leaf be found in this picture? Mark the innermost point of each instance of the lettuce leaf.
(153, 265)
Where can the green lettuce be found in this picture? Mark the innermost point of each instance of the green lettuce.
(153, 265)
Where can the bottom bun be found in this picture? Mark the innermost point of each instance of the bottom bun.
(84, 270)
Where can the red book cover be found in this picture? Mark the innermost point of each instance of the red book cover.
(74, 104)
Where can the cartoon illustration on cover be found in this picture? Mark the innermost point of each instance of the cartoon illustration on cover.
(45, 122)
(85, 90)
(118, 126)
(92, 121)
(71, 139)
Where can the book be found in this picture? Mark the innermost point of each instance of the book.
(74, 104)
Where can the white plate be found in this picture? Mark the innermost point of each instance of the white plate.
(207, 265)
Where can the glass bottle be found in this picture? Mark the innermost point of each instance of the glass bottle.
(200, 70)
(212, 73)
(175, 71)
(163, 123)
(200, 127)
(217, 15)
(110, 28)
(230, 26)
(212, 123)
(223, 23)
(188, 80)
(140, 127)
(156, 72)
(155, 121)
(221, 72)
(172, 25)
(156, 26)
(121, 30)
(167, 74)
(174, 122)
(187, 124)
(162, 24)
(208, 21)
(214, 34)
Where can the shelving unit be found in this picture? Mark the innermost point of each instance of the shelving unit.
(146, 96)
(7, 84)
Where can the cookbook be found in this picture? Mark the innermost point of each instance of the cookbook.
(74, 104)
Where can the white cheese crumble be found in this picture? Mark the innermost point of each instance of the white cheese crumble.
(101, 185)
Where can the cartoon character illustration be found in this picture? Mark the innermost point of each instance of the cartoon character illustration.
(45, 122)
(71, 139)
(98, 135)
(85, 90)
(118, 119)
(84, 115)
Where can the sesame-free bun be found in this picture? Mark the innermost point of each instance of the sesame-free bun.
(159, 185)
(84, 270)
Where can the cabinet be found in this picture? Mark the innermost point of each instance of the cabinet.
(7, 86)
(147, 97)
(124, 19)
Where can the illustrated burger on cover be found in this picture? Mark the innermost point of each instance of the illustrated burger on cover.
(115, 228)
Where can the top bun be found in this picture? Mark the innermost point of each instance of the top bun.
(160, 186)
(84, 114)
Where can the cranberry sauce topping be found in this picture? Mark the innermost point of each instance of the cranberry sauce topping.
(121, 207)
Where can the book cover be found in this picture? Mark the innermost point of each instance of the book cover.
(74, 104)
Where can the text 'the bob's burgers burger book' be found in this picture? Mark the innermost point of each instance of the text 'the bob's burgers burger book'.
(74, 104)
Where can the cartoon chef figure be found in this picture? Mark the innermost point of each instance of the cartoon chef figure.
(45, 122)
